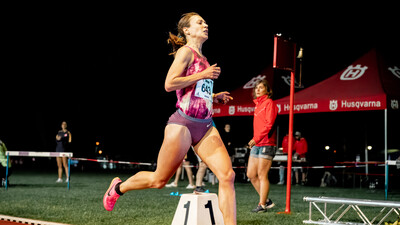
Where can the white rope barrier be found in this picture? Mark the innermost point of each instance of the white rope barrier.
(279, 158)
(356, 164)
(112, 161)
(39, 154)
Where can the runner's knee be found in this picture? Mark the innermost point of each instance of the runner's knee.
(228, 177)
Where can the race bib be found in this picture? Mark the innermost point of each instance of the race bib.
(204, 89)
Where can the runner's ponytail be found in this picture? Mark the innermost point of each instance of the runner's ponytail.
(176, 42)
(179, 40)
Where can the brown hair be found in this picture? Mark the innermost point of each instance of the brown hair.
(266, 85)
(179, 40)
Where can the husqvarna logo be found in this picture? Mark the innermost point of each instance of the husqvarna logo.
(353, 72)
(395, 70)
(231, 110)
(333, 105)
(394, 104)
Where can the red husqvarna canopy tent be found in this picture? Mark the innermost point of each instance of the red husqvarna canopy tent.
(369, 83)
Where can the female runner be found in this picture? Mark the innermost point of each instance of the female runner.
(191, 76)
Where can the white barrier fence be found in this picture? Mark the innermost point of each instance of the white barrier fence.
(387, 208)
(38, 154)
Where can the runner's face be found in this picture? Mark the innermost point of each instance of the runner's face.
(198, 28)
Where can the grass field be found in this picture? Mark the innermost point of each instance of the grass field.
(35, 195)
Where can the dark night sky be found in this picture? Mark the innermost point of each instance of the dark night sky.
(102, 67)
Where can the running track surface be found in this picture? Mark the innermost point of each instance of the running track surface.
(2, 222)
(10, 220)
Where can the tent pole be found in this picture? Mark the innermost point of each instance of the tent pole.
(290, 146)
(386, 157)
(366, 153)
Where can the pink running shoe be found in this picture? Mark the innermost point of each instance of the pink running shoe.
(111, 196)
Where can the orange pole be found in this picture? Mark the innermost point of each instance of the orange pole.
(290, 146)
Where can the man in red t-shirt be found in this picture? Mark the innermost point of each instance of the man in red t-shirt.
(300, 149)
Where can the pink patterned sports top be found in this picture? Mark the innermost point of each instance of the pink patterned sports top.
(196, 100)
